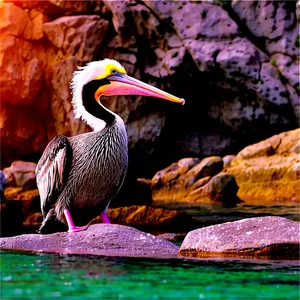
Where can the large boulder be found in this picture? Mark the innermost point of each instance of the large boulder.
(100, 239)
(269, 171)
(261, 237)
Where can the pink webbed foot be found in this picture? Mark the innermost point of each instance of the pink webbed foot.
(72, 227)
(105, 219)
(77, 228)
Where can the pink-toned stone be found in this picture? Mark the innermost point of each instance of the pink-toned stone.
(263, 237)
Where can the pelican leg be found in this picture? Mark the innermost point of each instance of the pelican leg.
(105, 218)
(72, 227)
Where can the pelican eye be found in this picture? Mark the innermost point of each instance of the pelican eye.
(114, 71)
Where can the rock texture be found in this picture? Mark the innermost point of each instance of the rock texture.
(235, 63)
(150, 218)
(100, 239)
(192, 180)
(269, 170)
(20, 174)
(263, 237)
(262, 173)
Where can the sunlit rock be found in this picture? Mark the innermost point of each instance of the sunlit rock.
(190, 180)
(267, 171)
(221, 188)
(261, 237)
(149, 218)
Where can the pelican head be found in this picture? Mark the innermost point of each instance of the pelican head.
(108, 78)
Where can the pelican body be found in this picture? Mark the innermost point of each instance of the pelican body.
(78, 176)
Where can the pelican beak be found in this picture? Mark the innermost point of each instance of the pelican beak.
(122, 84)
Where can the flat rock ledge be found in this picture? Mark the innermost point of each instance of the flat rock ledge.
(261, 237)
(98, 239)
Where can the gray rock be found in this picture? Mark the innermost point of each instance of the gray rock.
(98, 239)
(265, 19)
(261, 237)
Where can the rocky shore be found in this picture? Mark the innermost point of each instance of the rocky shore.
(190, 180)
(236, 141)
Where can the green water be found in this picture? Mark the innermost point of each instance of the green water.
(211, 214)
(49, 276)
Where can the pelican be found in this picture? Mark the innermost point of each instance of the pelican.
(78, 176)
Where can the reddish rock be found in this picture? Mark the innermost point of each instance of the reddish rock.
(261, 237)
(19, 193)
(149, 218)
(81, 42)
(32, 222)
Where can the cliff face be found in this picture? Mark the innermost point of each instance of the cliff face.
(234, 62)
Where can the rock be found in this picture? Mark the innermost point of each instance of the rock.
(98, 239)
(227, 160)
(172, 237)
(61, 73)
(265, 19)
(17, 212)
(186, 164)
(19, 193)
(32, 222)
(17, 128)
(175, 182)
(29, 25)
(149, 218)
(71, 7)
(261, 237)
(20, 174)
(221, 188)
(81, 42)
(267, 171)
(208, 166)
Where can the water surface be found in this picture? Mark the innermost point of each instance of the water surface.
(210, 214)
(51, 276)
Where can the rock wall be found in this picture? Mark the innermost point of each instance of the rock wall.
(235, 63)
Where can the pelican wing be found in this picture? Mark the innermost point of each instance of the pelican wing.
(52, 171)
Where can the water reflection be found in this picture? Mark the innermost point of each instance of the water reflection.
(210, 214)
